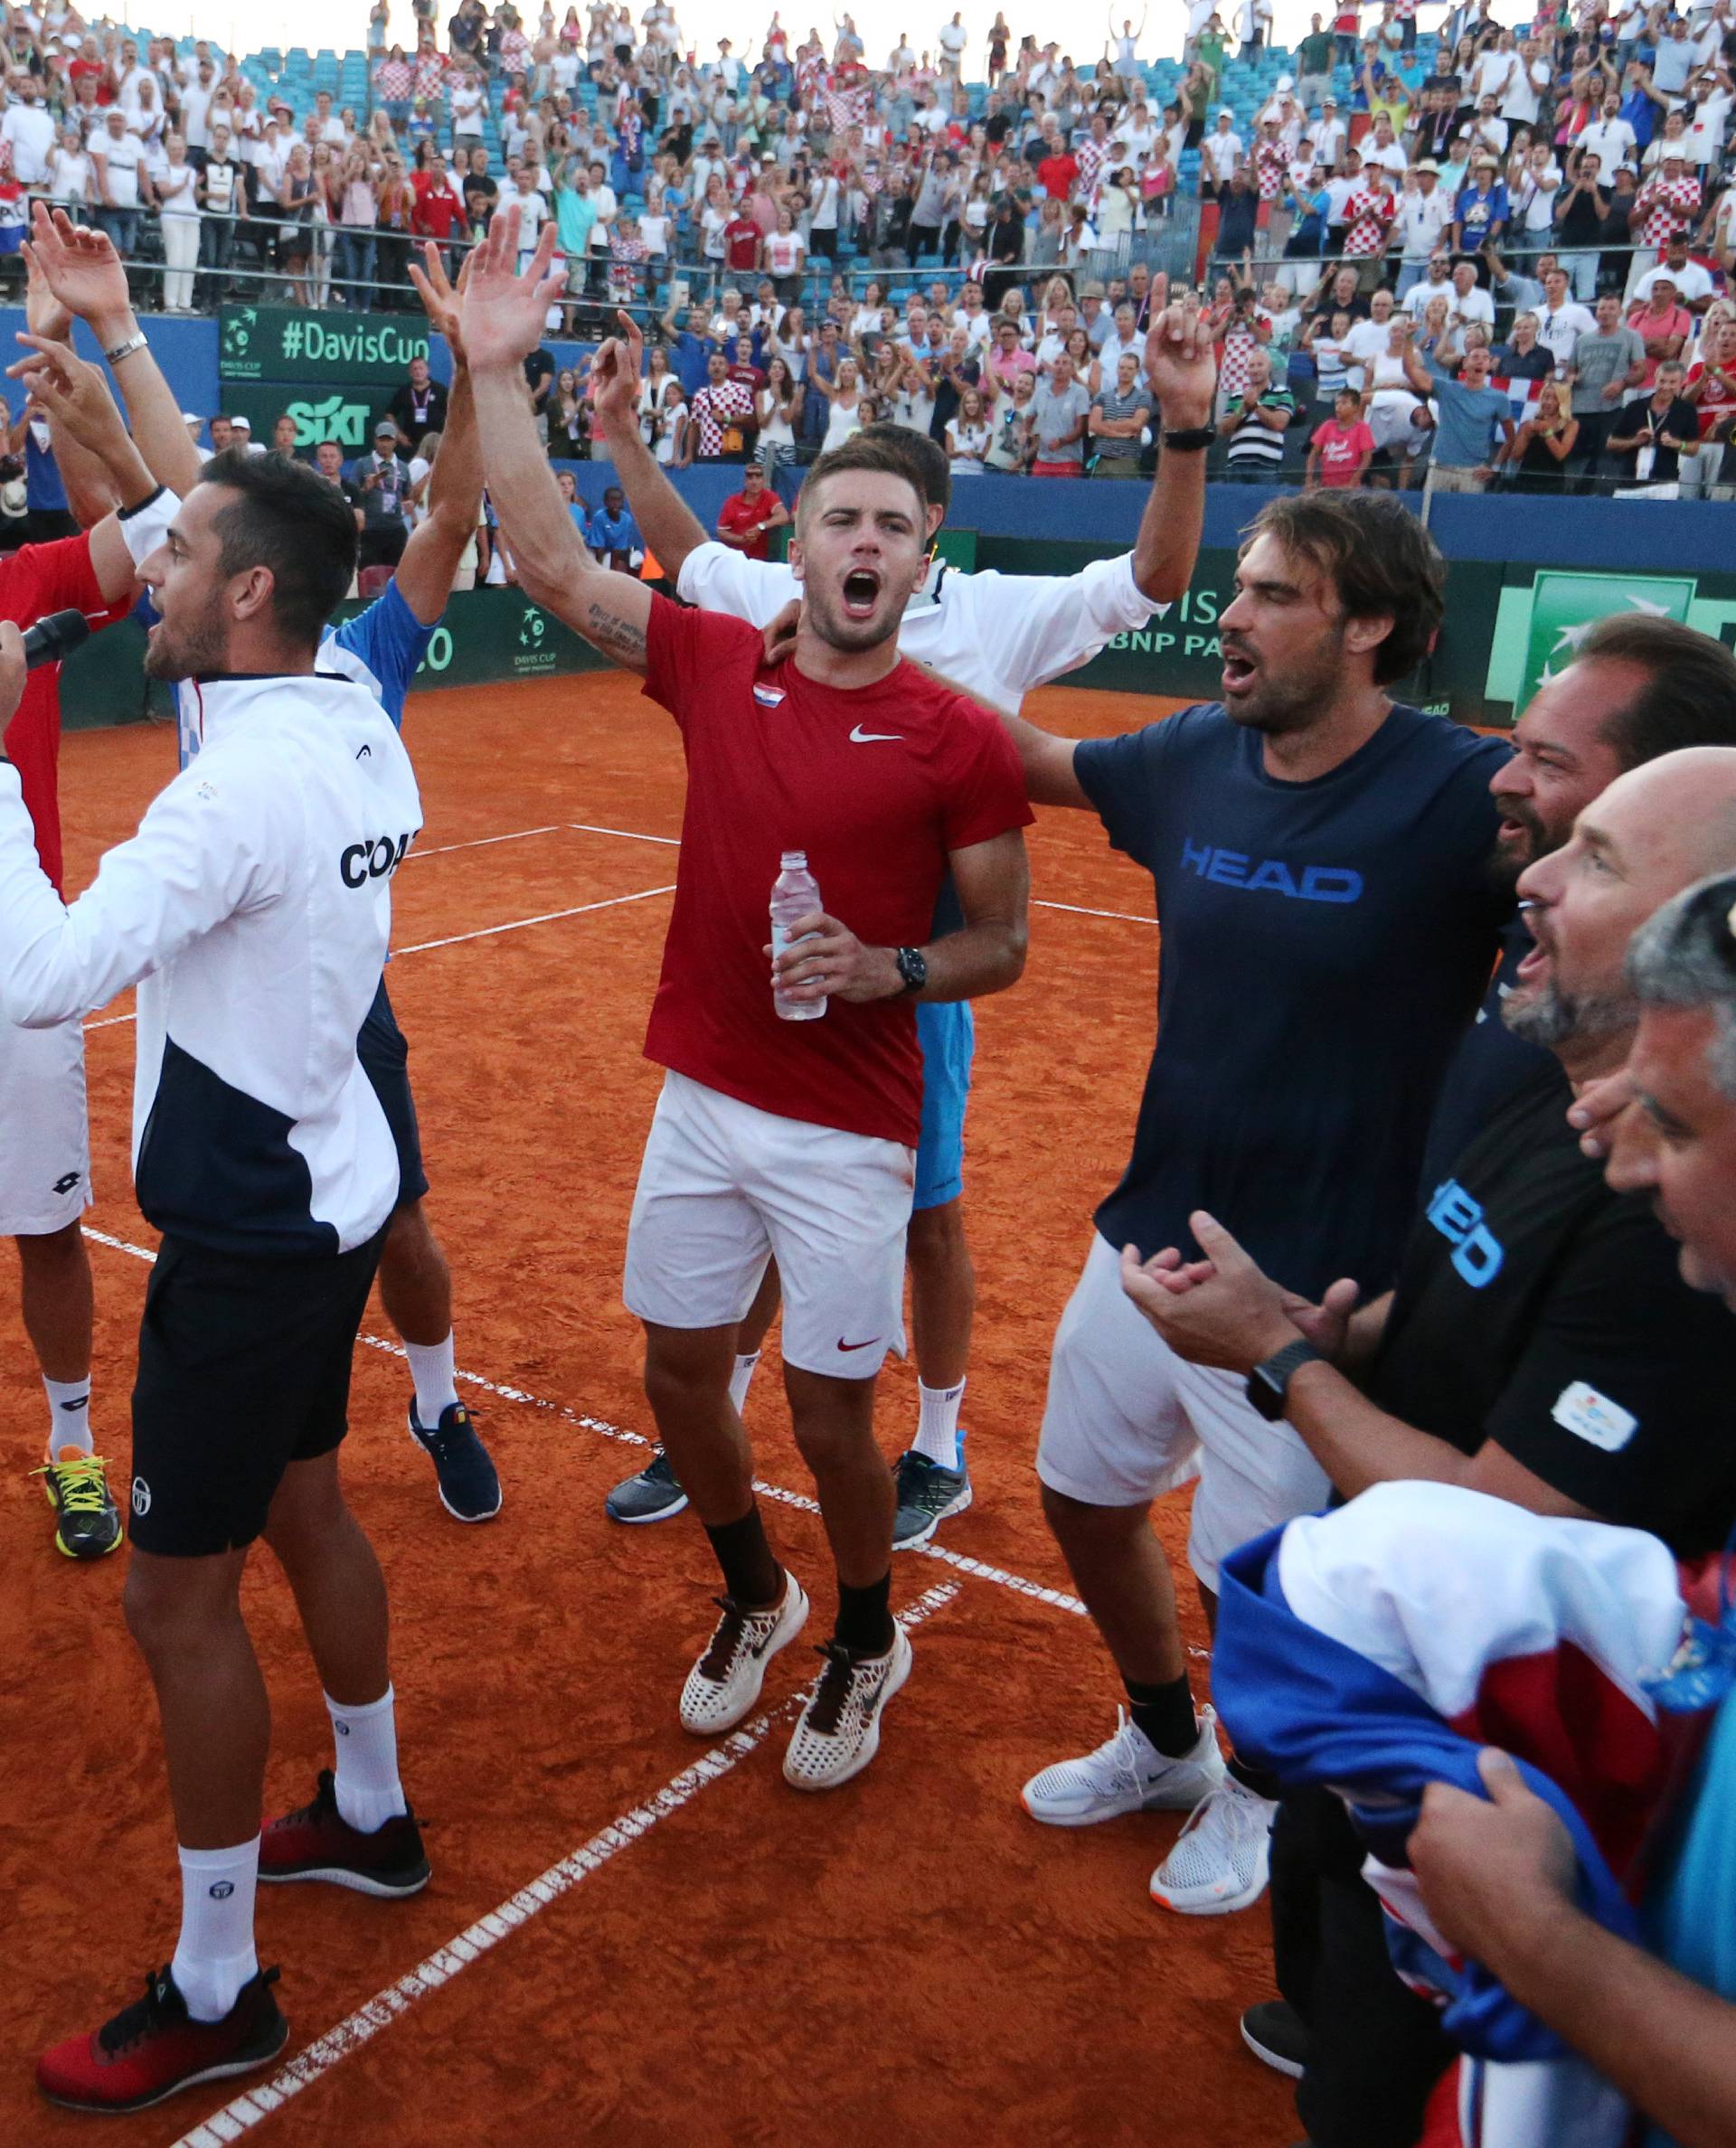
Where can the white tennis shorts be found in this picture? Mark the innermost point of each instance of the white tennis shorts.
(44, 1131)
(1126, 1419)
(725, 1186)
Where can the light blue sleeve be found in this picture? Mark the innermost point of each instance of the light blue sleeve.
(392, 641)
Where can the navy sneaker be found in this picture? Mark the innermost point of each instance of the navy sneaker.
(655, 1494)
(469, 1486)
(926, 1494)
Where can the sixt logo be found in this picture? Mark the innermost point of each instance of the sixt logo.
(363, 861)
(336, 418)
(1271, 876)
(1477, 1253)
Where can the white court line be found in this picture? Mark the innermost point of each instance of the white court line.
(481, 841)
(110, 1021)
(626, 835)
(1079, 910)
(253, 2106)
(978, 1568)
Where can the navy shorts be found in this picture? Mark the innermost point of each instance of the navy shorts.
(385, 1060)
(947, 1032)
(243, 1368)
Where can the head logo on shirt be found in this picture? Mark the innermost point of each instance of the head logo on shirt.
(1271, 876)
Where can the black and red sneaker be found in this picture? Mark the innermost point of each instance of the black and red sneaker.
(317, 1842)
(153, 2048)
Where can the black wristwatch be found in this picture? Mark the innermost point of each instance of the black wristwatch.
(912, 967)
(1270, 1379)
(1191, 437)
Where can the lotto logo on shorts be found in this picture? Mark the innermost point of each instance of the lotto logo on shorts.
(66, 1181)
(141, 1496)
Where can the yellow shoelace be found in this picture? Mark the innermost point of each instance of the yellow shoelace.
(81, 1483)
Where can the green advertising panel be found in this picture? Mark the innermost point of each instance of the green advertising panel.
(1564, 606)
(321, 412)
(288, 343)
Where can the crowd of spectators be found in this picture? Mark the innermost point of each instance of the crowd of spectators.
(1496, 255)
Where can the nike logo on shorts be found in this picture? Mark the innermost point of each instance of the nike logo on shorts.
(843, 1345)
(859, 736)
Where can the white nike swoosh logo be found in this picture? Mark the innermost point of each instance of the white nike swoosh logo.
(861, 737)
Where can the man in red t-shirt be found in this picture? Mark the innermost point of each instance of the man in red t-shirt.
(742, 243)
(789, 1138)
(746, 518)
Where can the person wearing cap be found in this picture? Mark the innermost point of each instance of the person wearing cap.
(1221, 155)
(1424, 218)
(1331, 134)
(382, 479)
(1694, 285)
(1482, 210)
(1668, 205)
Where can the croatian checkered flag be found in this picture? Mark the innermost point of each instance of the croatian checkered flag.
(1374, 1651)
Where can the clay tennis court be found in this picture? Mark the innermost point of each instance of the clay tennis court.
(629, 1936)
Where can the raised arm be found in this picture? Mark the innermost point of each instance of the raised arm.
(500, 321)
(425, 573)
(669, 526)
(1183, 377)
(84, 272)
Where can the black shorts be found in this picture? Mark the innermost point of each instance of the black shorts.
(243, 1368)
(385, 1060)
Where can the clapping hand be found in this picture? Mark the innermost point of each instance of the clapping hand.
(503, 311)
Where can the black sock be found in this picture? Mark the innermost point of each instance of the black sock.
(865, 1618)
(1166, 1714)
(1262, 1781)
(750, 1574)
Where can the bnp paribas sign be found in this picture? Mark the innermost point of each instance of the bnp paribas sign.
(288, 342)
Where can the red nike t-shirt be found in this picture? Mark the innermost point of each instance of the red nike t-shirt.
(35, 580)
(877, 786)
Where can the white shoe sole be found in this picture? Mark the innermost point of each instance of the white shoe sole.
(790, 1622)
(439, 1488)
(339, 1875)
(668, 1514)
(903, 1656)
(926, 1535)
(1267, 2057)
(1225, 1905)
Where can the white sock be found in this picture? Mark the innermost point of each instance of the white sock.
(937, 1431)
(741, 1380)
(214, 1955)
(430, 1367)
(69, 1414)
(366, 1776)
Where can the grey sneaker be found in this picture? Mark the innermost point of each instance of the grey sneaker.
(655, 1494)
(928, 1495)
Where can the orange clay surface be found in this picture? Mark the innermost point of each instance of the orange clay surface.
(909, 1961)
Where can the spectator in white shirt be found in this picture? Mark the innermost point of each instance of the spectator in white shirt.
(29, 127)
(1561, 320)
(1330, 135)
(71, 175)
(1220, 153)
(118, 154)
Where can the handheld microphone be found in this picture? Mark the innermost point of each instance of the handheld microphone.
(57, 636)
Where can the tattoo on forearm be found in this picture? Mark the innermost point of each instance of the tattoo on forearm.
(614, 636)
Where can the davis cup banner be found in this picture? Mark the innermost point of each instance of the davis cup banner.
(289, 344)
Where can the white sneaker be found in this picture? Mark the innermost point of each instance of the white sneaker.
(1222, 1857)
(839, 1732)
(1126, 1774)
(723, 1686)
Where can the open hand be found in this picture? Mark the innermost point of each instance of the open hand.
(1491, 1867)
(43, 313)
(501, 313)
(440, 302)
(1221, 1310)
(79, 266)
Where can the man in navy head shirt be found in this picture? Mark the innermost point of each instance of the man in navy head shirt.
(1321, 860)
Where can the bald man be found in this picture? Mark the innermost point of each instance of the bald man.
(1539, 1345)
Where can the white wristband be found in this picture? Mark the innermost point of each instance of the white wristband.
(143, 527)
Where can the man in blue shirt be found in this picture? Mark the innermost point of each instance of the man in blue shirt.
(1320, 857)
(1482, 209)
(613, 534)
(1471, 413)
(1499, 1873)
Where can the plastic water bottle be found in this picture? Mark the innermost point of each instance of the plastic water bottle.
(795, 893)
